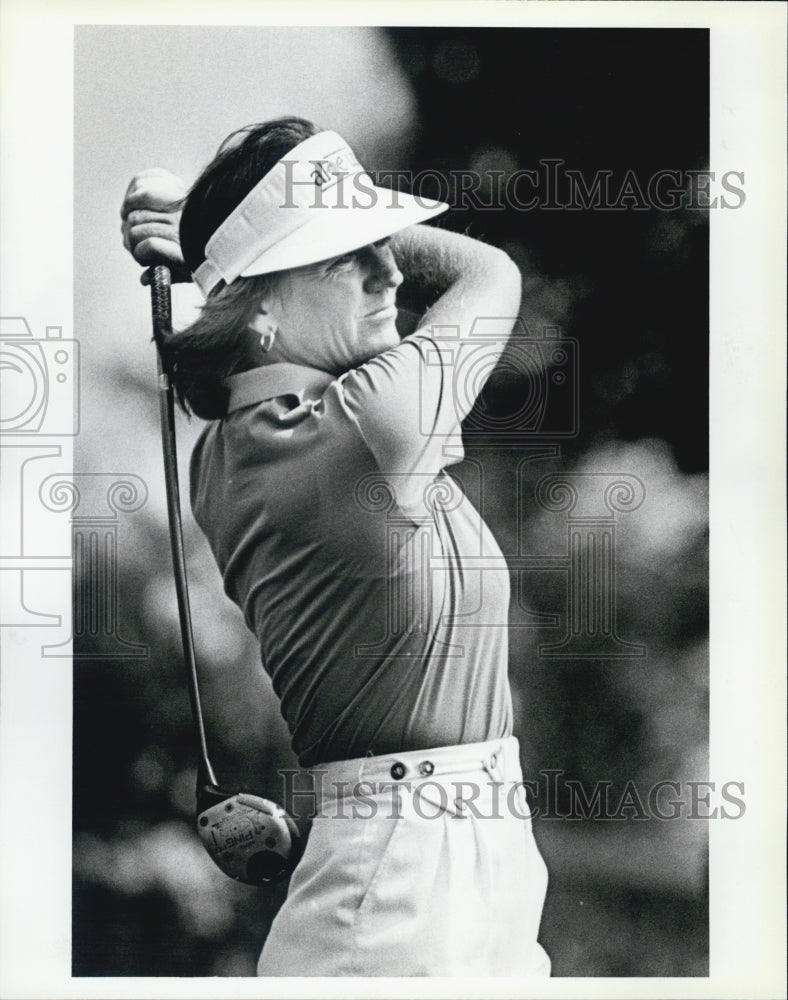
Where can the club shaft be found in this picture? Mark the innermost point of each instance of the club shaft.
(162, 329)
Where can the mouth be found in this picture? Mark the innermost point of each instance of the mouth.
(383, 312)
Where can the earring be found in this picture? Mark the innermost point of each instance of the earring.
(262, 323)
(267, 339)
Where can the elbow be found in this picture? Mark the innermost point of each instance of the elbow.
(509, 268)
(508, 279)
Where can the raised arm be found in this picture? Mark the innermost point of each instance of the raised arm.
(409, 401)
(455, 278)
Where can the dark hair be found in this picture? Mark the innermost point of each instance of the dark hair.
(200, 357)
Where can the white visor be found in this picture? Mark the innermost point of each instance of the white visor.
(316, 203)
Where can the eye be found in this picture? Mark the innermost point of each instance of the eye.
(344, 260)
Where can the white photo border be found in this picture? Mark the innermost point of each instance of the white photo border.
(748, 268)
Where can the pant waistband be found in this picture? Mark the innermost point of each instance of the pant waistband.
(499, 758)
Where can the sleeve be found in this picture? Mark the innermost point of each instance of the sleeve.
(408, 404)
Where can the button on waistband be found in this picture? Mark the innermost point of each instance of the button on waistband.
(429, 763)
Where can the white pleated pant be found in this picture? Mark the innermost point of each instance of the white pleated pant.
(417, 864)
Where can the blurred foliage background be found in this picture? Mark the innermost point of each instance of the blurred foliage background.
(626, 897)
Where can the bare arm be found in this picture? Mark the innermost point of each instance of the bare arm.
(456, 278)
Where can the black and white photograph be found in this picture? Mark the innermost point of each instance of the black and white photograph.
(393, 515)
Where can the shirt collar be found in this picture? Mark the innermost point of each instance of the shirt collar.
(280, 379)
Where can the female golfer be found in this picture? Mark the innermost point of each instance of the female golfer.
(378, 594)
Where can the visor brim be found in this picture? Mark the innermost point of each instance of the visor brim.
(334, 230)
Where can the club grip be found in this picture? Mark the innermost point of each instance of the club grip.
(161, 303)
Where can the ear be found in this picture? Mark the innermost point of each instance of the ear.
(262, 322)
(265, 317)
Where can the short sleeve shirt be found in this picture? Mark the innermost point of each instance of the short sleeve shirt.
(378, 594)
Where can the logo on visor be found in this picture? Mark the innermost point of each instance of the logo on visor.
(329, 169)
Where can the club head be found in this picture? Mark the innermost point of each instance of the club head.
(250, 838)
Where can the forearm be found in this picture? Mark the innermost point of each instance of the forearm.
(455, 278)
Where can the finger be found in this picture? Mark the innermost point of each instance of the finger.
(157, 251)
(138, 225)
(134, 233)
(141, 216)
(156, 177)
(138, 234)
(155, 200)
(153, 189)
(169, 184)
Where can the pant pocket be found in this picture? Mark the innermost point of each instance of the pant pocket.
(381, 832)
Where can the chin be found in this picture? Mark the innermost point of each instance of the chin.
(377, 350)
(374, 341)
(387, 336)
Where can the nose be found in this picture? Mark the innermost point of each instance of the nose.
(383, 272)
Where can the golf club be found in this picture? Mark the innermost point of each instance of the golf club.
(250, 838)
